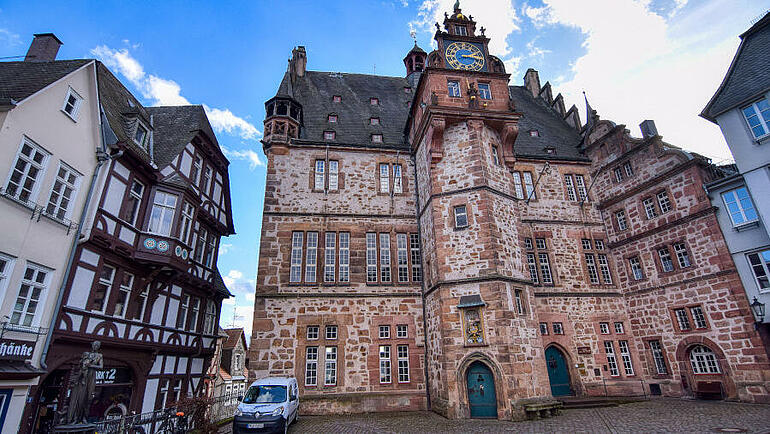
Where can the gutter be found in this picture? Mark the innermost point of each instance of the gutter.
(422, 282)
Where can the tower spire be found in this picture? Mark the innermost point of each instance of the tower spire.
(591, 116)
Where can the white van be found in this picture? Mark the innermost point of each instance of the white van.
(269, 405)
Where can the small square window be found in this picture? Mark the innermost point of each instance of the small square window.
(376, 138)
(544, 328)
(599, 244)
(618, 174)
(484, 91)
(140, 135)
(332, 118)
(558, 329)
(331, 332)
(453, 87)
(330, 135)
(312, 332)
(337, 98)
(461, 30)
(402, 331)
(540, 243)
(619, 328)
(534, 133)
(384, 332)
(72, 104)
(628, 169)
(604, 328)
(461, 217)
(374, 121)
(586, 244)
(374, 101)
(528, 243)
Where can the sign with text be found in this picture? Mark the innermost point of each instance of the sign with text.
(113, 376)
(12, 349)
(584, 350)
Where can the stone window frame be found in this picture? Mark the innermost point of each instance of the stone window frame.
(488, 85)
(687, 308)
(519, 301)
(402, 328)
(649, 352)
(544, 329)
(597, 254)
(629, 268)
(316, 328)
(672, 253)
(652, 209)
(393, 322)
(336, 265)
(536, 251)
(322, 321)
(391, 162)
(557, 327)
(667, 194)
(449, 85)
(604, 325)
(456, 214)
(327, 159)
(622, 330)
(520, 187)
(384, 331)
(616, 220)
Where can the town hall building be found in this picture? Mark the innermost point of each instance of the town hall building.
(454, 241)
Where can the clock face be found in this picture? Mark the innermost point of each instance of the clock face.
(464, 55)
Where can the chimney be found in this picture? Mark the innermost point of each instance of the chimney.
(532, 82)
(43, 48)
(298, 61)
(648, 129)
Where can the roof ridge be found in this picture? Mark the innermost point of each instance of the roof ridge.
(357, 73)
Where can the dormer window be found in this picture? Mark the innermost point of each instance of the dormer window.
(140, 135)
(374, 121)
(72, 104)
(534, 133)
(376, 138)
(337, 98)
(374, 101)
(461, 30)
(407, 90)
(550, 150)
(330, 135)
(332, 118)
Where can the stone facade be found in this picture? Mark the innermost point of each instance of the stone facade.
(525, 269)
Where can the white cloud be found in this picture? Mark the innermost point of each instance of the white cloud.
(161, 91)
(224, 248)
(229, 301)
(534, 50)
(9, 38)
(637, 65)
(498, 17)
(245, 155)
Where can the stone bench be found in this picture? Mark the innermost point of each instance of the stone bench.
(543, 409)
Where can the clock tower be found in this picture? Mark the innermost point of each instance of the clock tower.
(484, 355)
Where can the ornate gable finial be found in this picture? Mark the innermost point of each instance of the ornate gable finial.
(457, 6)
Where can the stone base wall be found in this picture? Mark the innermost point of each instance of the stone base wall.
(346, 403)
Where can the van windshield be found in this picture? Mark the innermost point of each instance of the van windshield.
(265, 395)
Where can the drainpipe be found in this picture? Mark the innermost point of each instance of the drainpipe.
(102, 156)
(422, 283)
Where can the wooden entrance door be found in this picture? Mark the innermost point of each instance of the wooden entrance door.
(558, 373)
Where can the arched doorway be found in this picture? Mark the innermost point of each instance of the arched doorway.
(558, 372)
(482, 398)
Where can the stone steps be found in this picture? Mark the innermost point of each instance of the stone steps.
(596, 402)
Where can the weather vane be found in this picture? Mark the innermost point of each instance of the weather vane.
(413, 34)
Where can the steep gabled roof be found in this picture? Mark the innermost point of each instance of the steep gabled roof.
(315, 90)
(175, 127)
(19, 80)
(748, 75)
(233, 335)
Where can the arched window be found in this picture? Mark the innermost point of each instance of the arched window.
(703, 360)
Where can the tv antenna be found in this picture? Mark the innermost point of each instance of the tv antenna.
(235, 316)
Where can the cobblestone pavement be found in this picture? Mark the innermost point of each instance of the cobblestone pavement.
(654, 416)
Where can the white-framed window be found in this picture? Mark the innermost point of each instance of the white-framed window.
(529, 186)
(209, 321)
(625, 355)
(134, 200)
(657, 356)
(295, 274)
(528, 243)
(332, 118)
(682, 319)
(636, 268)
(195, 171)
(141, 135)
(518, 189)
(101, 293)
(184, 308)
(195, 309)
(545, 268)
(618, 174)
(384, 178)
(599, 244)
(162, 215)
(760, 265)
(453, 88)
(682, 256)
(210, 250)
(371, 257)
(540, 243)
(403, 363)
(28, 168)
(344, 257)
(200, 244)
(519, 302)
(334, 167)
(32, 291)
(330, 366)
(124, 294)
(163, 392)
(532, 265)
(398, 186)
(484, 91)
(593, 273)
(402, 257)
(663, 201)
(649, 208)
(6, 266)
(612, 361)
(581, 187)
(376, 138)
(311, 366)
(312, 332)
(374, 101)
(604, 267)
(461, 30)
(604, 328)
(330, 135)
(703, 360)
(402, 331)
(72, 104)
(558, 328)
(208, 174)
(384, 332)
(461, 216)
(374, 121)
(185, 229)
(666, 263)
(385, 275)
(330, 258)
(544, 328)
(320, 166)
(142, 303)
(757, 115)
(620, 216)
(63, 192)
(628, 169)
(311, 257)
(570, 188)
(698, 317)
(495, 155)
(740, 206)
(585, 243)
(619, 329)
(414, 248)
(331, 332)
(385, 376)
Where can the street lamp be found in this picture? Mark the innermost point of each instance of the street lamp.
(759, 309)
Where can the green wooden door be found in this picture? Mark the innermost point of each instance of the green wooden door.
(481, 391)
(558, 374)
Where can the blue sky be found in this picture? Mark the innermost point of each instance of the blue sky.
(636, 60)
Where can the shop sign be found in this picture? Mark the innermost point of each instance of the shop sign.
(113, 376)
(584, 350)
(12, 349)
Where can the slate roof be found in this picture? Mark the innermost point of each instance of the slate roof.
(232, 338)
(315, 92)
(219, 284)
(552, 128)
(19, 80)
(748, 75)
(175, 127)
